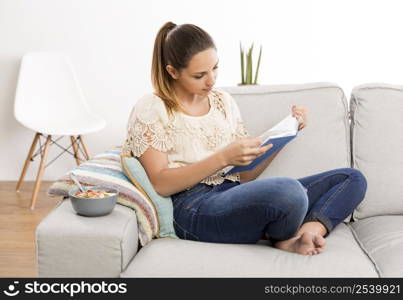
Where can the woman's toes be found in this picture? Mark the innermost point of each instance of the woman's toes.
(320, 241)
(313, 251)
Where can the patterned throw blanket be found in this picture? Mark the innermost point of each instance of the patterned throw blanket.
(105, 170)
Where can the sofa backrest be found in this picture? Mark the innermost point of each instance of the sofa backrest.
(323, 145)
(377, 146)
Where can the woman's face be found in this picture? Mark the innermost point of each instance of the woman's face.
(200, 75)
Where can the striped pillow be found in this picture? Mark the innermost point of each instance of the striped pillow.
(105, 170)
(133, 169)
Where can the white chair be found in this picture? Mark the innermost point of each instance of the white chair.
(49, 101)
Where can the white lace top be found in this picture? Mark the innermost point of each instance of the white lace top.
(186, 139)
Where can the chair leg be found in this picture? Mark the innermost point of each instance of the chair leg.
(84, 147)
(40, 172)
(75, 148)
(27, 161)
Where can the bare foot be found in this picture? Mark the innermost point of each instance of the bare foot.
(307, 243)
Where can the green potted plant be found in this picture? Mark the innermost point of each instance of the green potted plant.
(246, 61)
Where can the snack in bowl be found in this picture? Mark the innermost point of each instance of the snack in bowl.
(94, 194)
(94, 201)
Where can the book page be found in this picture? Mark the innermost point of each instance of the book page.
(287, 127)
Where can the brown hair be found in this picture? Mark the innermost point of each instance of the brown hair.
(175, 45)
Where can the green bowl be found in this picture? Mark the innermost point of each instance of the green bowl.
(93, 207)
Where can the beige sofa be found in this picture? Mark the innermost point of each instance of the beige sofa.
(365, 135)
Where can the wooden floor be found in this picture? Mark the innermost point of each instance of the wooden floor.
(17, 227)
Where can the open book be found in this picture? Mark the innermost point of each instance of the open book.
(279, 136)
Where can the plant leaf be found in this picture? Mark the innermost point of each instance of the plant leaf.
(258, 65)
(251, 69)
(242, 64)
(247, 67)
(250, 73)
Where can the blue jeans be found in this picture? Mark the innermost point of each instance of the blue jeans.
(242, 213)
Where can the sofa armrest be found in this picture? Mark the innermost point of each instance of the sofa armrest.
(69, 245)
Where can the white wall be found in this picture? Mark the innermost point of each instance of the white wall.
(110, 43)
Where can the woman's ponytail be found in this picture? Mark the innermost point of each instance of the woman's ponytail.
(159, 76)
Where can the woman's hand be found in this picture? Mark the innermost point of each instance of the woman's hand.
(243, 151)
(300, 113)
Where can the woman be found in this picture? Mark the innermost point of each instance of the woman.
(186, 134)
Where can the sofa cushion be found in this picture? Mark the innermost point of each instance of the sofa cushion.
(104, 169)
(326, 136)
(138, 176)
(381, 237)
(184, 258)
(376, 112)
(69, 245)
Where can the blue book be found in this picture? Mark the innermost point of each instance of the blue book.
(279, 136)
